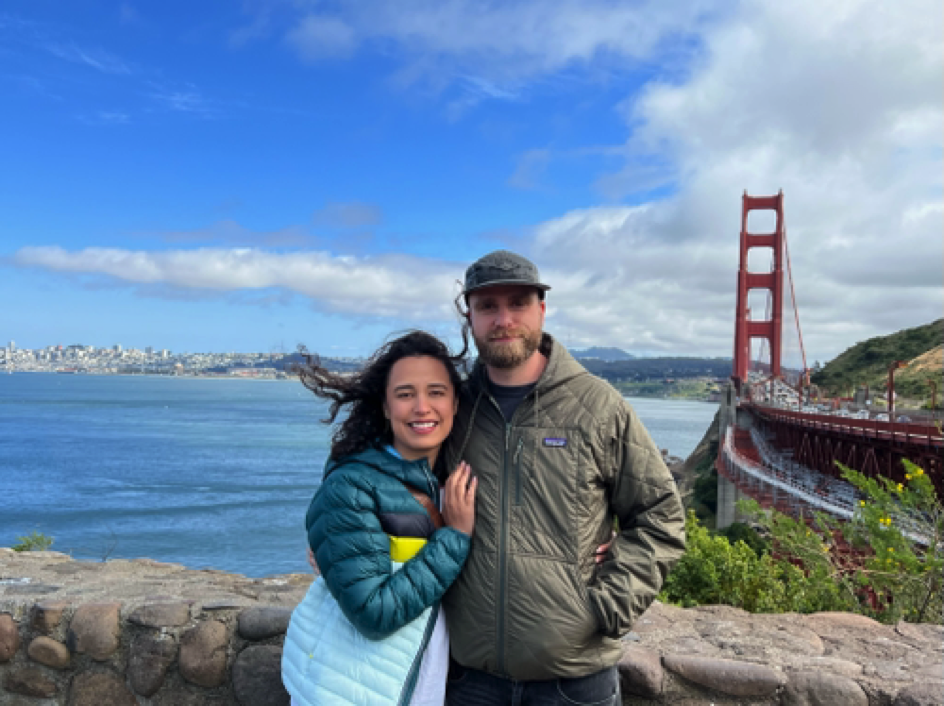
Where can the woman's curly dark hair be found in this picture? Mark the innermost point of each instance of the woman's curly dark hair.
(364, 392)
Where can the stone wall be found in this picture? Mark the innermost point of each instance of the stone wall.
(143, 632)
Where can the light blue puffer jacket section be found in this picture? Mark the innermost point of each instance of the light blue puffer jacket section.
(325, 660)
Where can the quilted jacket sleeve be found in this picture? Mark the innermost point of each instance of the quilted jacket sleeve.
(353, 554)
(651, 534)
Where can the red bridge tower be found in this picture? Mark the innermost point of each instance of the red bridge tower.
(744, 329)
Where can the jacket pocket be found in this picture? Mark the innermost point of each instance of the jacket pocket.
(516, 463)
(550, 622)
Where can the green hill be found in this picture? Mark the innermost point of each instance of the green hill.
(867, 363)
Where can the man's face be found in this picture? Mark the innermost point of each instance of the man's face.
(506, 324)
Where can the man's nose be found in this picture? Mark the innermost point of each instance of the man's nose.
(503, 319)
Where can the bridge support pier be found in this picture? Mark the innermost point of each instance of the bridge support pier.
(728, 495)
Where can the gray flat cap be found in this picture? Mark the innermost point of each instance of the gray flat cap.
(502, 268)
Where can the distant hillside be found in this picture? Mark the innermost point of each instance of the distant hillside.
(640, 369)
(867, 363)
(606, 354)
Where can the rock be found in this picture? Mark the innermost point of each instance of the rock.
(832, 665)
(45, 617)
(641, 673)
(224, 604)
(923, 694)
(161, 615)
(47, 651)
(30, 681)
(264, 622)
(926, 633)
(725, 675)
(688, 645)
(892, 671)
(94, 630)
(846, 620)
(203, 654)
(148, 662)
(178, 696)
(818, 689)
(934, 671)
(98, 689)
(257, 677)
(9, 637)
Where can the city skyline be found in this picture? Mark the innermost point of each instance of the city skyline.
(259, 175)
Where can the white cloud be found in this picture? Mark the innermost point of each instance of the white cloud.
(98, 59)
(316, 37)
(838, 105)
(498, 44)
(395, 286)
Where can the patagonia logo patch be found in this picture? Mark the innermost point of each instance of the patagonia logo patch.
(555, 441)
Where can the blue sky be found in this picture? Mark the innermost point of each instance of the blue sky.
(250, 176)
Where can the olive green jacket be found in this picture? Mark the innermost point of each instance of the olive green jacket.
(531, 603)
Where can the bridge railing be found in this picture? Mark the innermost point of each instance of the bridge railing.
(830, 495)
(779, 476)
(908, 432)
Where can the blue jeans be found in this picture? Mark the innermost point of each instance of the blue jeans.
(470, 687)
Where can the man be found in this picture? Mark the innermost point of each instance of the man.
(559, 456)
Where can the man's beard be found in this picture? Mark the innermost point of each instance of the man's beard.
(505, 356)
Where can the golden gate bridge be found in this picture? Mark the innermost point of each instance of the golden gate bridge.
(775, 444)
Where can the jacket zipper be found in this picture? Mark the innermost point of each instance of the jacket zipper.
(503, 535)
(406, 694)
(503, 556)
(410, 684)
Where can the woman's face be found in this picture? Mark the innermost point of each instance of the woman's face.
(420, 404)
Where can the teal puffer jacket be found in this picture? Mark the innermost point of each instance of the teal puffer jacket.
(361, 505)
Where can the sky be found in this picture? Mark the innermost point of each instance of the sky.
(255, 175)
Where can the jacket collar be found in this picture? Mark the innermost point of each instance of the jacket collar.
(416, 474)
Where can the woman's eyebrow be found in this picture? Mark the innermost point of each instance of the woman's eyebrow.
(404, 386)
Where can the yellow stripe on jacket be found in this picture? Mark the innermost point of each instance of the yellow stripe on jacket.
(402, 549)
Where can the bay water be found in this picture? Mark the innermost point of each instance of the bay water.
(207, 472)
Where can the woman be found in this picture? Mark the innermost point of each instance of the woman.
(370, 630)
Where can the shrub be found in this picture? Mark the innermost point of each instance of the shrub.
(886, 562)
(33, 542)
(713, 570)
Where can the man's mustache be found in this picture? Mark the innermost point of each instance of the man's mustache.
(507, 333)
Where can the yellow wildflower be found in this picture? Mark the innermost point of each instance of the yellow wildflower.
(891, 549)
(919, 472)
(908, 476)
(900, 487)
(862, 503)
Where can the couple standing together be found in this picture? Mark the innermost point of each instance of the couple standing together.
(466, 517)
